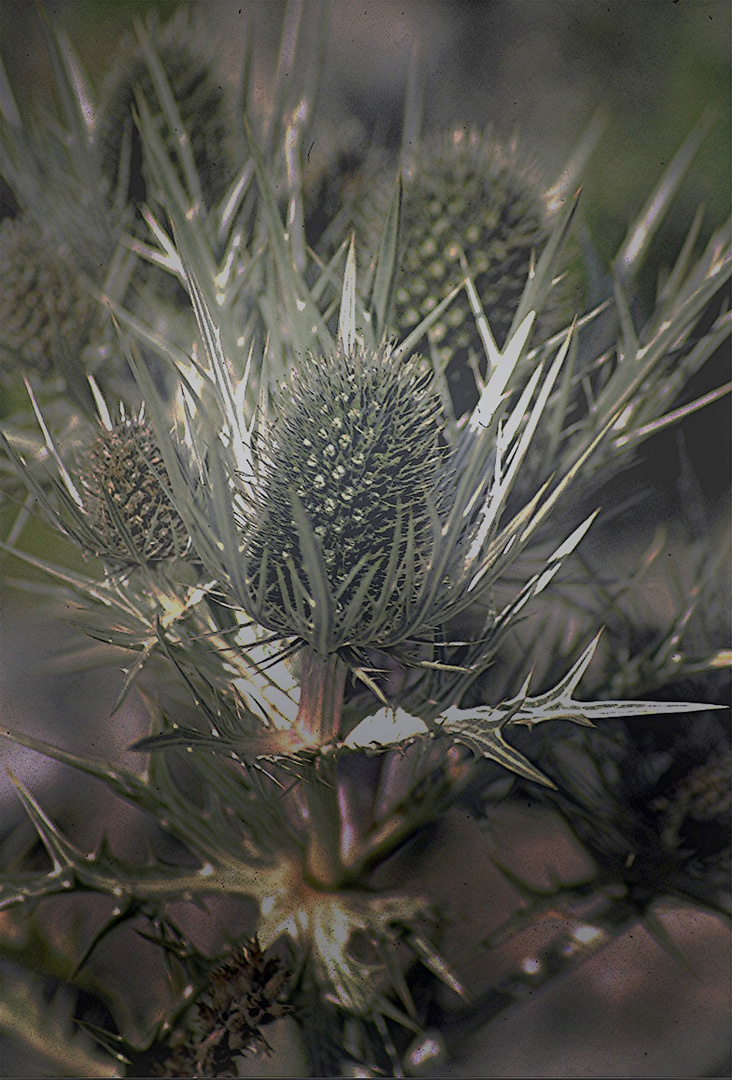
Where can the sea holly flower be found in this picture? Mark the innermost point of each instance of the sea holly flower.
(358, 426)
(171, 63)
(308, 505)
(114, 501)
(470, 202)
(125, 497)
(349, 497)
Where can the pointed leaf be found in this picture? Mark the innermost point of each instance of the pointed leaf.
(635, 245)
(386, 264)
(347, 319)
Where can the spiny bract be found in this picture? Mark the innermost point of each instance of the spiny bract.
(126, 497)
(356, 445)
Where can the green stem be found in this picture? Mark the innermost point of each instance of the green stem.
(324, 865)
(322, 689)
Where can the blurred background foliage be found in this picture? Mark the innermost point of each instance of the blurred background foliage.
(537, 67)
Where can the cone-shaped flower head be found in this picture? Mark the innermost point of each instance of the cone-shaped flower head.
(466, 193)
(125, 492)
(200, 98)
(46, 308)
(342, 519)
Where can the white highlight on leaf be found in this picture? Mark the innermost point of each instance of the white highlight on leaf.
(555, 560)
(492, 395)
(100, 403)
(385, 727)
(347, 320)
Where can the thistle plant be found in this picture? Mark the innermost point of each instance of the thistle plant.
(319, 564)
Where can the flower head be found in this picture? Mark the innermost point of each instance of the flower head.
(466, 195)
(200, 98)
(46, 312)
(124, 491)
(347, 499)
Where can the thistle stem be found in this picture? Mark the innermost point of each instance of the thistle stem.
(322, 689)
(324, 864)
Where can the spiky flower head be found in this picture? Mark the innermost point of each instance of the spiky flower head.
(241, 999)
(46, 308)
(200, 98)
(465, 193)
(348, 498)
(126, 495)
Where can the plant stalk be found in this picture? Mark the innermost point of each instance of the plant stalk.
(322, 689)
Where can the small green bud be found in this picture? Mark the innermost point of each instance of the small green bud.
(126, 497)
(355, 442)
